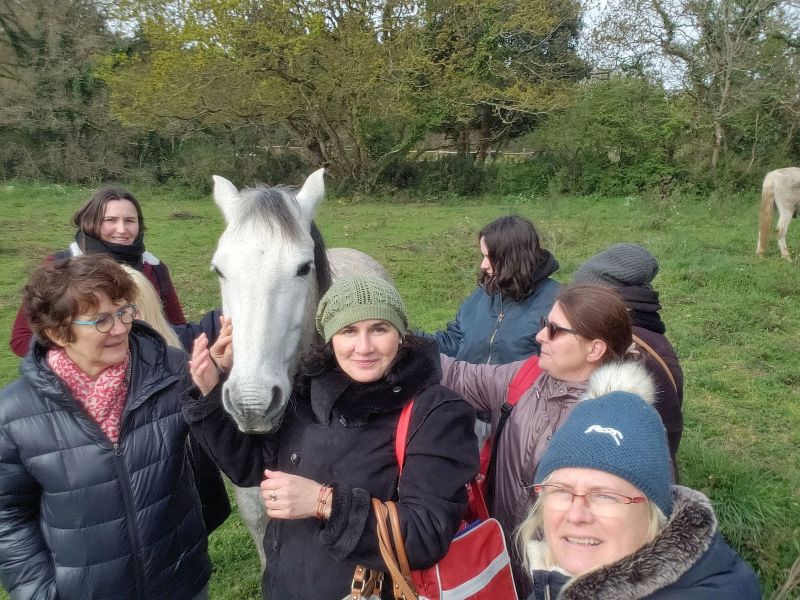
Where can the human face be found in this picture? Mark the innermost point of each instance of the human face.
(566, 355)
(120, 223)
(580, 540)
(486, 264)
(91, 350)
(365, 349)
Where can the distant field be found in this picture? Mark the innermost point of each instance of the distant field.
(733, 318)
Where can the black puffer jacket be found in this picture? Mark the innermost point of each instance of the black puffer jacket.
(343, 432)
(83, 519)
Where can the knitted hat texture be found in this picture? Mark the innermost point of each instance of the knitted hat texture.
(618, 433)
(618, 266)
(359, 298)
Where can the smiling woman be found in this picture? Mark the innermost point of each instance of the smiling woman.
(111, 222)
(335, 448)
(93, 462)
(607, 523)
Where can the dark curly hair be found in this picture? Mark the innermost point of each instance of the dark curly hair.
(515, 254)
(59, 291)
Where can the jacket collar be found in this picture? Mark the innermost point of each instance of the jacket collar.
(334, 394)
(686, 537)
(150, 369)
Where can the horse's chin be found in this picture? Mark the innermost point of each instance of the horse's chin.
(259, 426)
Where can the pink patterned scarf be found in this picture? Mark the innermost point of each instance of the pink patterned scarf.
(103, 398)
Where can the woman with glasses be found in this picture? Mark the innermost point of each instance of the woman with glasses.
(587, 326)
(607, 523)
(96, 492)
(111, 223)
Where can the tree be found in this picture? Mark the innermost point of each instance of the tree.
(715, 50)
(54, 116)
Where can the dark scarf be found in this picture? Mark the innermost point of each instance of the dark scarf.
(335, 395)
(642, 300)
(129, 255)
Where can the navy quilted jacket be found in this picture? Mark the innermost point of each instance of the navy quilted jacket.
(82, 518)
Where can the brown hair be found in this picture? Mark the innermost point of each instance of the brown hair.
(515, 254)
(89, 217)
(61, 290)
(597, 312)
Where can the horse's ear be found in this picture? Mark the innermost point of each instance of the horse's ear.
(311, 193)
(226, 196)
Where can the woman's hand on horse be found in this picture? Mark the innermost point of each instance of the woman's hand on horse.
(222, 350)
(204, 373)
(288, 496)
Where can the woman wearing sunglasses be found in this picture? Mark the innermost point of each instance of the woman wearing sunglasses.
(607, 523)
(587, 326)
(96, 492)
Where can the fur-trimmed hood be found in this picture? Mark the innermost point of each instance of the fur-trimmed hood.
(687, 556)
(621, 376)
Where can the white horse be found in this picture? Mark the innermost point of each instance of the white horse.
(273, 268)
(783, 187)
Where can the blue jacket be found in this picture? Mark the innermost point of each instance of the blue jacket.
(490, 329)
(82, 518)
(688, 560)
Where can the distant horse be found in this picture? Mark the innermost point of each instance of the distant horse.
(783, 187)
(273, 268)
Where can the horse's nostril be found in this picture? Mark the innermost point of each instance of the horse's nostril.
(276, 396)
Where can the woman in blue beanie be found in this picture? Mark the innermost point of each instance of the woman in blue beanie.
(607, 523)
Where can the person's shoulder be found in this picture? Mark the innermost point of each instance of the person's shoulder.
(151, 259)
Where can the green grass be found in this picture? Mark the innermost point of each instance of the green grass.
(733, 318)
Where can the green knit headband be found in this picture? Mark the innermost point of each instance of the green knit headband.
(359, 298)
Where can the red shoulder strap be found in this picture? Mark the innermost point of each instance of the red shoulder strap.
(523, 380)
(402, 434)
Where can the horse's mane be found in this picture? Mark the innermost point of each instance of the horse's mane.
(267, 207)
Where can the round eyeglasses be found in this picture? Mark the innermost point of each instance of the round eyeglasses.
(552, 329)
(105, 321)
(602, 504)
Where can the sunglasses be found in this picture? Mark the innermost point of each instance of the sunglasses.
(552, 329)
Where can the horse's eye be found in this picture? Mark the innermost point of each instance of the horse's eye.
(217, 272)
(304, 269)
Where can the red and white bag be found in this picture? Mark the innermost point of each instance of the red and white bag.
(477, 564)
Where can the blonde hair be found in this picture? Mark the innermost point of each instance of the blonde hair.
(150, 309)
(532, 529)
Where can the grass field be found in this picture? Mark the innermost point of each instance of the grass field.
(733, 318)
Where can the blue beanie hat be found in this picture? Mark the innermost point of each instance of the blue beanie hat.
(618, 433)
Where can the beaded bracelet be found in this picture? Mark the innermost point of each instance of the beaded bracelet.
(322, 500)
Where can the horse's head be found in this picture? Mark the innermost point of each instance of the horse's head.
(265, 261)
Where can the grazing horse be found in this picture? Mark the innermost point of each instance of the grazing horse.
(783, 187)
(272, 268)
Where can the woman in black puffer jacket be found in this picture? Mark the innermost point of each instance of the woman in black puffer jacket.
(96, 494)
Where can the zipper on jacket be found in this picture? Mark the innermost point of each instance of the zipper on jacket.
(494, 334)
(132, 526)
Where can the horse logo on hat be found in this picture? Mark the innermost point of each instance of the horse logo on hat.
(614, 433)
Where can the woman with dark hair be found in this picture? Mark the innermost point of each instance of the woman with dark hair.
(96, 492)
(497, 323)
(335, 449)
(111, 222)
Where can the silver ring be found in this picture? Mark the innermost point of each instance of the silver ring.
(273, 496)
